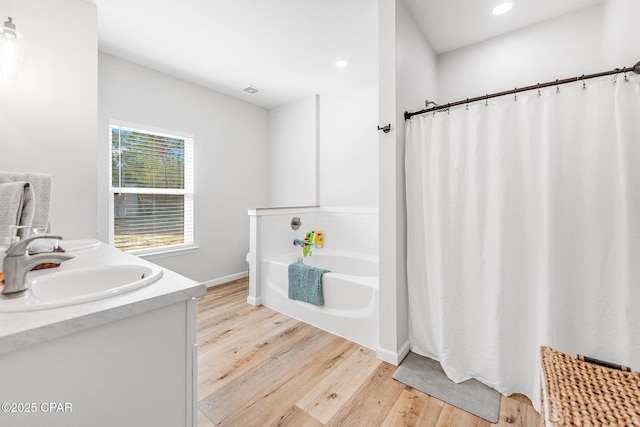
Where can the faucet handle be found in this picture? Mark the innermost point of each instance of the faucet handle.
(20, 247)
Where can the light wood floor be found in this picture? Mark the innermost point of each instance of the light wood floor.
(257, 367)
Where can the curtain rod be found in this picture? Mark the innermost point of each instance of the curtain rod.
(635, 69)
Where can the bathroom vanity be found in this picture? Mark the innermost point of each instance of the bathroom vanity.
(128, 359)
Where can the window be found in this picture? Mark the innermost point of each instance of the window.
(151, 197)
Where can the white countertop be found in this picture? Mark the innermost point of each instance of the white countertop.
(21, 329)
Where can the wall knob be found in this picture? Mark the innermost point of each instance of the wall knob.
(295, 222)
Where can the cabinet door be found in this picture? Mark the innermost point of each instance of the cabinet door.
(131, 371)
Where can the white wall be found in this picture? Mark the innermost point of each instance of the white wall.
(404, 84)
(620, 33)
(598, 38)
(353, 230)
(292, 162)
(348, 154)
(48, 116)
(230, 151)
(566, 46)
(323, 150)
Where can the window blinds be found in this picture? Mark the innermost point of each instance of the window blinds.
(152, 189)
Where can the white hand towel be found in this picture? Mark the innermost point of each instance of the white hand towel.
(41, 184)
(41, 196)
(17, 206)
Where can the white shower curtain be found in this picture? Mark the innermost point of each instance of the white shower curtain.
(523, 229)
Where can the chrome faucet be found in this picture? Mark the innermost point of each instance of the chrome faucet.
(301, 243)
(17, 263)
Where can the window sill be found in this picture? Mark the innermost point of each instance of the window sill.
(166, 252)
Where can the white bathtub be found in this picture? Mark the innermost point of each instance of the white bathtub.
(350, 294)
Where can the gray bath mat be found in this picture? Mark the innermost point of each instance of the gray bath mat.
(472, 396)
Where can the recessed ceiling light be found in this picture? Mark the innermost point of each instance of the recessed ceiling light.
(342, 63)
(502, 8)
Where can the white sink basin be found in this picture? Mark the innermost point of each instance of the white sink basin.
(80, 285)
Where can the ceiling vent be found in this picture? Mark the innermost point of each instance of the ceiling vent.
(251, 90)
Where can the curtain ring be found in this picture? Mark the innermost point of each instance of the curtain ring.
(625, 75)
(584, 85)
(486, 100)
(467, 104)
(515, 93)
(448, 107)
(557, 86)
(539, 94)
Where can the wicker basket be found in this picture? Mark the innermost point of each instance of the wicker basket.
(583, 394)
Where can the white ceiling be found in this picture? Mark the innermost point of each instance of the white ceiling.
(288, 48)
(452, 24)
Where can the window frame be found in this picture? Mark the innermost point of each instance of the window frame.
(187, 191)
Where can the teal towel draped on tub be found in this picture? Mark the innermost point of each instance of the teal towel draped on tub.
(305, 283)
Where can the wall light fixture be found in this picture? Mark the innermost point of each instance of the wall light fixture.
(10, 50)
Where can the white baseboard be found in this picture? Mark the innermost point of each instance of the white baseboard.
(254, 301)
(394, 357)
(226, 279)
